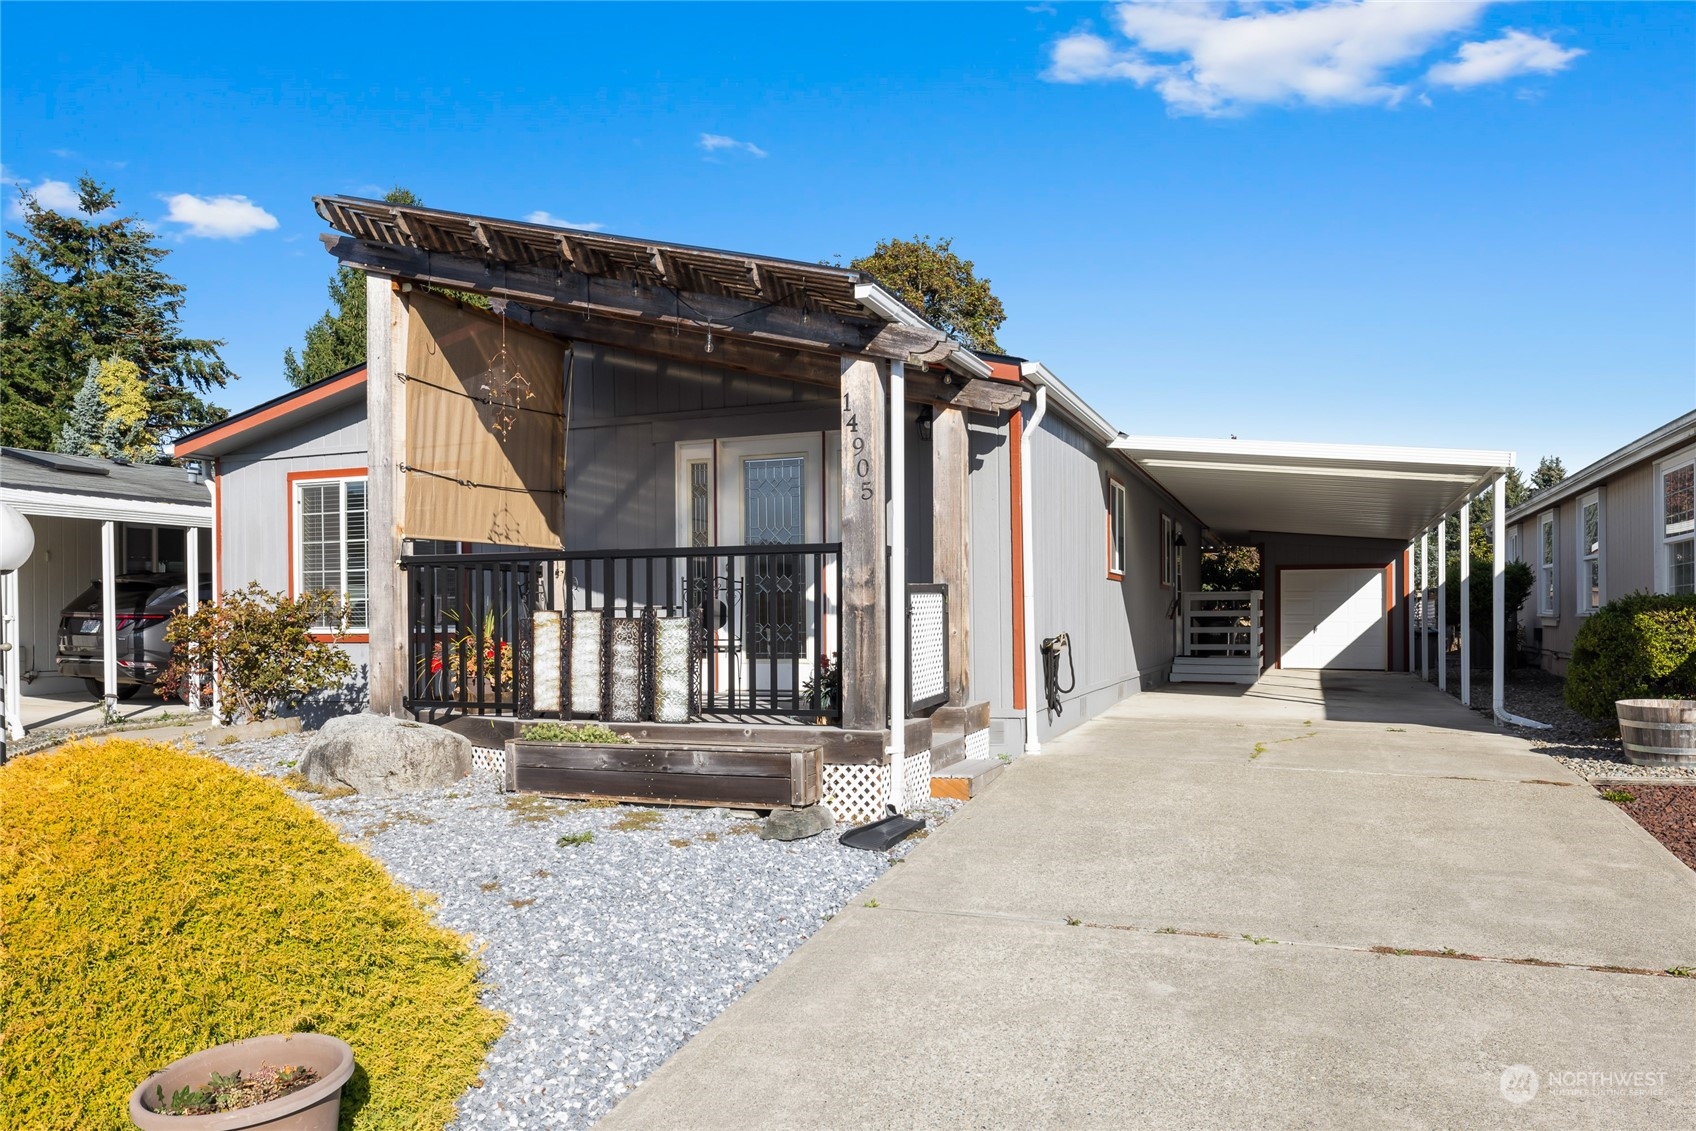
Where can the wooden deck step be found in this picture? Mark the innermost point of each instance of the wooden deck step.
(947, 748)
(965, 780)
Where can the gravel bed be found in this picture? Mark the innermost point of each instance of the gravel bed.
(1668, 813)
(1588, 748)
(605, 956)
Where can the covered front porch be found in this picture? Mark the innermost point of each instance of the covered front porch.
(672, 490)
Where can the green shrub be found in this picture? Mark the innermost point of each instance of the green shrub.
(156, 903)
(264, 650)
(549, 731)
(1640, 646)
(1517, 583)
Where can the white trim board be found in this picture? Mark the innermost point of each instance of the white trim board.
(104, 508)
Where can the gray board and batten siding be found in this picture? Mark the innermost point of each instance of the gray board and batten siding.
(1122, 632)
(255, 500)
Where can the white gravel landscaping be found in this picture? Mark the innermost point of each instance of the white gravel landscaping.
(605, 956)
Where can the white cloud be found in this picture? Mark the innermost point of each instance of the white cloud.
(59, 196)
(712, 143)
(217, 217)
(1221, 58)
(552, 221)
(1515, 53)
(55, 196)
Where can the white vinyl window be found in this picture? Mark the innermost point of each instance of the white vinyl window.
(1546, 580)
(1589, 553)
(1115, 529)
(1677, 526)
(329, 550)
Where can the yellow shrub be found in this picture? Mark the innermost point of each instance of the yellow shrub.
(154, 902)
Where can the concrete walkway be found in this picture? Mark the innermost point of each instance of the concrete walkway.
(1229, 858)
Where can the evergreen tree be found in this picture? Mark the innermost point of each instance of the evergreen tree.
(337, 340)
(80, 434)
(109, 415)
(1549, 472)
(931, 279)
(88, 286)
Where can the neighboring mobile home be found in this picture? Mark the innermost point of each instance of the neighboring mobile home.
(1626, 523)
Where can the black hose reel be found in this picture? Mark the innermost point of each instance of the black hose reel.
(1051, 689)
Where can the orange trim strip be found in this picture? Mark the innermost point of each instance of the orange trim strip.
(293, 404)
(1016, 477)
(217, 531)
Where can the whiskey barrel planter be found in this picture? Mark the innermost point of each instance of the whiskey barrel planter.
(316, 1107)
(1658, 732)
(742, 776)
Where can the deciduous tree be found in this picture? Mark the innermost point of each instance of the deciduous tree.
(930, 278)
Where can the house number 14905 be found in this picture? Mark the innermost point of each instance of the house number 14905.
(857, 445)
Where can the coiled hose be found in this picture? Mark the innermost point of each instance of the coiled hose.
(1051, 649)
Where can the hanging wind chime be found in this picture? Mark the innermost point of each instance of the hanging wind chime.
(504, 386)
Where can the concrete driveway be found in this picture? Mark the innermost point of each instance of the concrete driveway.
(1168, 920)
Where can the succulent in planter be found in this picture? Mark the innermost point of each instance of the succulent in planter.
(233, 1091)
(291, 1081)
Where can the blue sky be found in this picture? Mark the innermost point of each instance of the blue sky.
(1448, 224)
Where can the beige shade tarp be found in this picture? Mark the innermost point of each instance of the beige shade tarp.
(482, 472)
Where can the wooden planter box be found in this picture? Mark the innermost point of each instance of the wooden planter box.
(746, 777)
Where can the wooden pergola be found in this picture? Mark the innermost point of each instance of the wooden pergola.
(827, 326)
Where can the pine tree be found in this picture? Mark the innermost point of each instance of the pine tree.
(80, 434)
(84, 287)
(337, 340)
(1549, 471)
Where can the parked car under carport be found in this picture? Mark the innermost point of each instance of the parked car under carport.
(144, 604)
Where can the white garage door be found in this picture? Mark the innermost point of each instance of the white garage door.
(1332, 618)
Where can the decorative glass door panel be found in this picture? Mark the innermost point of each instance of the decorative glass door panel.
(774, 514)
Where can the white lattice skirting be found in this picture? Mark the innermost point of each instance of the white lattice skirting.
(977, 744)
(858, 794)
(928, 639)
(489, 760)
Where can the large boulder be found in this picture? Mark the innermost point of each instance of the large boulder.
(384, 757)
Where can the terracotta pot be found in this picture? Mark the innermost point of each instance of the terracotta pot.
(316, 1107)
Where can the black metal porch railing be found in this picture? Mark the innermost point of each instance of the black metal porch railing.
(763, 617)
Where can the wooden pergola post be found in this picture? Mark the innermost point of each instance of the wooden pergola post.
(864, 558)
(951, 540)
(385, 402)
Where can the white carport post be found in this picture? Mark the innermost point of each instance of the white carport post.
(1466, 603)
(12, 659)
(899, 662)
(192, 537)
(1407, 584)
(1424, 588)
(109, 616)
(1443, 603)
(1498, 612)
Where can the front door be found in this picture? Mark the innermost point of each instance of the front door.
(759, 607)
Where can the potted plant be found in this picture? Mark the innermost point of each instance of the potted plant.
(826, 689)
(285, 1082)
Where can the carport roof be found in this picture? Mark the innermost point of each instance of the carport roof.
(1345, 490)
